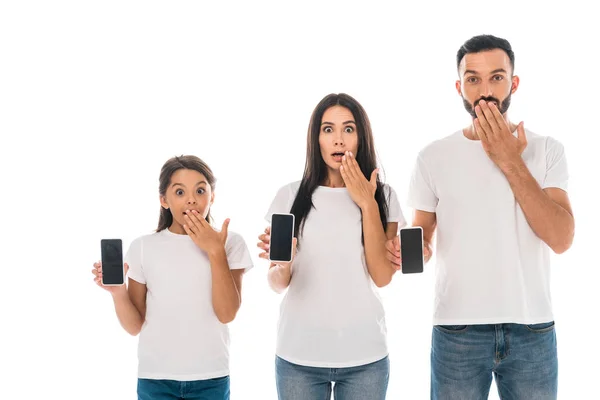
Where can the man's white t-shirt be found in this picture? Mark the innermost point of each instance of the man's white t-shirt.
(182, 338)
(331, 315)
(491, 267)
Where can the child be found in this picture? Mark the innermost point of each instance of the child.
(184, 287)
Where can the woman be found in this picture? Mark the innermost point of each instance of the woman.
(332, 332)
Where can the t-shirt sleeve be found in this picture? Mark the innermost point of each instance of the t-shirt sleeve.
(557, 174)
(133, 258)
(421, 193)
(281, 204)
(238, 256)
(394, 210)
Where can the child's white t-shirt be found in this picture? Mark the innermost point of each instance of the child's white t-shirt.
(331, 315)
(181, 338)
(491, 267)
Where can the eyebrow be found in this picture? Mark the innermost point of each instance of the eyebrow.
(344, 123)
(470, 71)
(197, 184)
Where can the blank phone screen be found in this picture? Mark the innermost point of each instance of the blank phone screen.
(411, 250)
(282, 236)
(112, 261)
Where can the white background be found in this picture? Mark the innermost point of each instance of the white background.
(96, 96)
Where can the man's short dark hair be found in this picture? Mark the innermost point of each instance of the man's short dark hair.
(482, 43)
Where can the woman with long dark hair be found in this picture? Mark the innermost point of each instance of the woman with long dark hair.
(332, 332)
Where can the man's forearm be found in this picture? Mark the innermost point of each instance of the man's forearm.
(550, 222)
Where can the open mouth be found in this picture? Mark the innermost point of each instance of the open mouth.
(337, 156)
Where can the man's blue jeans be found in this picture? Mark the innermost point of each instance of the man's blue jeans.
(522, 359)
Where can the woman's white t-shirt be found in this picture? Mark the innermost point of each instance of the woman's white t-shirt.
(331, 315)
(181, 338)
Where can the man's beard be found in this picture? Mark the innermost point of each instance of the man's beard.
(503, 106)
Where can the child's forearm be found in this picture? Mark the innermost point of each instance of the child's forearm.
(225, 294)
(129, 316)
